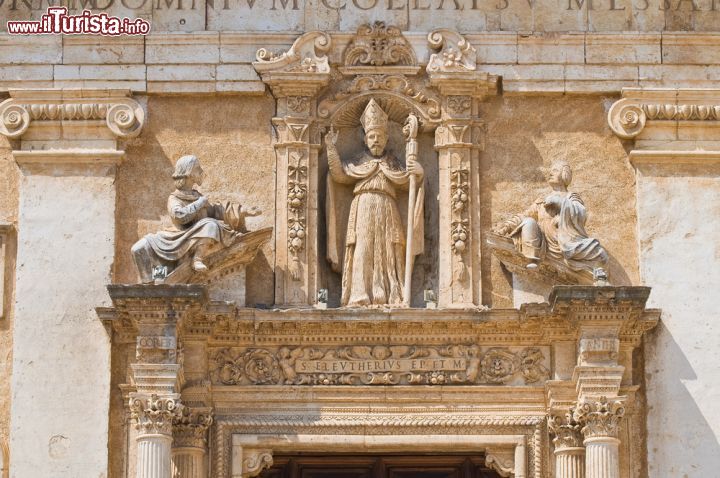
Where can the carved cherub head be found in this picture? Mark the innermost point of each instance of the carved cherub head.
(188, 172)
(559, 173)
(375, 124)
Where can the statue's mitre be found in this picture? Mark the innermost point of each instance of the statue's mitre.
(374, 117)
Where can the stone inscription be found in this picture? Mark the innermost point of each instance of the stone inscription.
(380, 365)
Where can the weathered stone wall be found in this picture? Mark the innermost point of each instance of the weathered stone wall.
(232, 136)
(678, 208)
(8, 215)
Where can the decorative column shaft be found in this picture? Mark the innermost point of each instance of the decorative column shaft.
(569, 451)
(295, 77)
(601, 424)
(154, 417)
(189, 453)
(458, 141)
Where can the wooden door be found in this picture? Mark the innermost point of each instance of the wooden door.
(379, 466)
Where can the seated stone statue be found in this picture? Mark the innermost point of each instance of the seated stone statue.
(554, 226)
(199, 227)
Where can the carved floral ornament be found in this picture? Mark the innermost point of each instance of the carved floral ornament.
(455, 53)
(566, 430)
(155, 414)
(190, 427)
(379, 45)
(378, 365)
(124, 117)
(599, 418)
(627, 117)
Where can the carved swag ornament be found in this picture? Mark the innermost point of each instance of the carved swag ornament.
(378, 365)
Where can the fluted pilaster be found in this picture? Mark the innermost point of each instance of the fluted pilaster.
(600, 420)
(189, 462)
(189, 453)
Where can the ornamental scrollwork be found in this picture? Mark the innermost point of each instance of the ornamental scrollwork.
(378, 365)
(456, 53)
(307, 54)
(125, 119)
(379, 45)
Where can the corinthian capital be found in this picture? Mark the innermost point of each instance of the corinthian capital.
(190, 427)
(566, 430)
(154, 414)
(599, 418)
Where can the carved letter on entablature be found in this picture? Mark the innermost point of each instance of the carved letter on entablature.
(295, 78)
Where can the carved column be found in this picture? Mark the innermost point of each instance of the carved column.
(154, 417)
(155, 312)
(189, 453)
(68, 145)
(569, 450)
(458, 140)
(295, 77)
(601, 423)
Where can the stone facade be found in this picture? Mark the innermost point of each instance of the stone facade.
(537, 235)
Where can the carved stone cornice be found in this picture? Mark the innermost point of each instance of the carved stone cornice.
(190, 427)
(301, 71)
(566, 430)
(600, 418)
(629, 116)
(155, 414)
(120, 114)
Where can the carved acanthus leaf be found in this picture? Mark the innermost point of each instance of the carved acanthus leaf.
(155, 414)
(456, 53)
(566, 430)
(379, 45)
(190, 427)
(599, 418)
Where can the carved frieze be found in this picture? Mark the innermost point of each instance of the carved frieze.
(379, 365)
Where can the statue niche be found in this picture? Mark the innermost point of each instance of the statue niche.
(369, 245)
(206, 242)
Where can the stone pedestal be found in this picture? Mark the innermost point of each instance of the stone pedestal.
(66, 145)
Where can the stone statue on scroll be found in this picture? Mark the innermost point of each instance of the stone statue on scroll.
(204, 238)
(552, 229)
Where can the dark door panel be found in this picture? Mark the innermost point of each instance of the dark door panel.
(379, 466)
